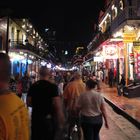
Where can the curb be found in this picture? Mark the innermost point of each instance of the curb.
(123, 113)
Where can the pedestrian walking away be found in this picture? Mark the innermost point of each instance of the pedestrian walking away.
(47, 113)
(99, 75)
(121, 85)
(71, 94)
(111, 77)
(26, 83)
(91, 106)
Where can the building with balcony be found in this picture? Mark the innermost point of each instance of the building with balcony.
(24, 45)
(117, 43)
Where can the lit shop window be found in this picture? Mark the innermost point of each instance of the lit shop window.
(121, 5)
(114, 12)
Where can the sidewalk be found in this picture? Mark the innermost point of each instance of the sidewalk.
(129, 108)
(119, 128)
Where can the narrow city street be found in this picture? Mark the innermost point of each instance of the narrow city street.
(120, 128)
(62, 62)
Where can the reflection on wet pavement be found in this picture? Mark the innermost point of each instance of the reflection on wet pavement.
(119, 128)
(130, 105)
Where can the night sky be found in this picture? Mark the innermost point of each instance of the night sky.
(72, 21)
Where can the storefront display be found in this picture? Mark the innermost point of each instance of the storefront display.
(21, 63)
(138, 65)
(137, 58)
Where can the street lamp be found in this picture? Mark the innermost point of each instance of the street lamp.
(46, 30)
(66, 52)
(31, 26)
(23, 26)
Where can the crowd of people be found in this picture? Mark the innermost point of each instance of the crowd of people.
(56, 98)
(20, 84)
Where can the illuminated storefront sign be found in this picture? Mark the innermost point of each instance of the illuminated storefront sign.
(16, 56)
(98, 59)
(110, 51)
(129, 37)
(136, 45)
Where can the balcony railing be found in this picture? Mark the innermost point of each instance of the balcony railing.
(21, 46)
(129, 13)
(99, 39)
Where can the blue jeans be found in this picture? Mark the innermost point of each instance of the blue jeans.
(91, 127)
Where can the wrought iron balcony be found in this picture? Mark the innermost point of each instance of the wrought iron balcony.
(18, 45)
(99, 39)
(129, 13)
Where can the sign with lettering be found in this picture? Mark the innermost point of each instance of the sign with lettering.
(136, 45)
(129, 37)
